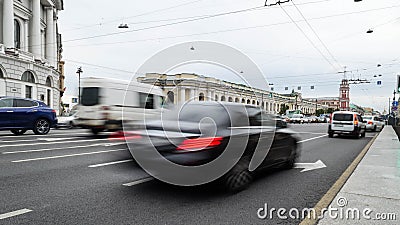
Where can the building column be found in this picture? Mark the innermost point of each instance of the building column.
(35, 30)
(183, 95)
(8, 24)
(50, 42)
(209, 95)
(192, 98)
(26, 36)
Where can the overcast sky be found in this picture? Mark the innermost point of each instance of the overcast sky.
(290, 51)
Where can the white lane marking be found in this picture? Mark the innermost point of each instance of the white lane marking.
(310, 166)
(309, 133)
(39, 139)
(14, 213)
(310, 139)
(52, 143)
(110, 163)
(63, 148)
(64, 156)
(138, 181)
(37, 135)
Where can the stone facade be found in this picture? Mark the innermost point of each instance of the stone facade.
(180, 88)
(29, 44)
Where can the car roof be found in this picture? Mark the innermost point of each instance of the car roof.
(345, 112)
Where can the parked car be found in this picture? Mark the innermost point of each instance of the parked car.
(374, 123)
(67, 120)
(297, 118)
(186, 138)
(314, 119)
(346, 123)
(20, 114)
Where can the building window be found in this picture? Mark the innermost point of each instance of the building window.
(27, 76)
(17, 34)
(236, 100)
(28, 91)
(48, 82)
(201, 97)
(223, 98)
(1, 74)
(230, 99)
(216, 98)
(170, 97)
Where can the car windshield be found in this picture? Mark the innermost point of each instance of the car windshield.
(367, 117)
(90, 96)
(343, 117)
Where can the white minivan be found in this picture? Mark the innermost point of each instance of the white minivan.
(108, 103)
(346, 123)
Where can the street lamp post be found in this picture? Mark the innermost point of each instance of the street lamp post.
(79, 71)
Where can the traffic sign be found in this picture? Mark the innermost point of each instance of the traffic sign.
(395, 103)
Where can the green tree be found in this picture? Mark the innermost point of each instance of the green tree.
(283, 109)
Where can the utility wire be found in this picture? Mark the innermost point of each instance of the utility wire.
(305, 35)
(315, 33)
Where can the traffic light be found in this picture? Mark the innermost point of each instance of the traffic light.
(398, 84)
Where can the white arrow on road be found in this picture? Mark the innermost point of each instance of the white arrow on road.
(309, 166)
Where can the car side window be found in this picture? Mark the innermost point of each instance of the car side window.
(146, 101)
(23, 103)
(6, 103)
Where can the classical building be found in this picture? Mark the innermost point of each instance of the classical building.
(30, 50)
(328, 102)
(184, 87)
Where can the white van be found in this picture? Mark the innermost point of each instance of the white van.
(346, 123)
(104, 106)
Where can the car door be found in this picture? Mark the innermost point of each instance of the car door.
(24, 113)
(6, 113)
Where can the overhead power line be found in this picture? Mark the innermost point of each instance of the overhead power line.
(306, 36)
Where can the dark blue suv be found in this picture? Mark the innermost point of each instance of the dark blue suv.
(19, 115)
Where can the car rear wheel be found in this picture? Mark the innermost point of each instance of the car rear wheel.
(42, 127)
(239, 177)
(291, 160)
(96, 131)
(18, 131)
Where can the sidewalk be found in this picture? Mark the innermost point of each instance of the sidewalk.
(374, 185)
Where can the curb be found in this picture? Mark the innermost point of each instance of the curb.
(326, 200)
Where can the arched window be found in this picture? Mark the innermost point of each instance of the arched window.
(48, 82)
(170, 97)
(201, 97)
(248, 101)
(17, 34)
(243, 100)
(254, 102)
(236, 100)
(1, 73)
(230, 99)
(216, 98)
(223, 98)
(27, 76)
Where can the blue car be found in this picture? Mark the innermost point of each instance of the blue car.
(19, 115)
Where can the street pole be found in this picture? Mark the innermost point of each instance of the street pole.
(79, 71)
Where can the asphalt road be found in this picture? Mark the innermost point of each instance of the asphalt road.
(59, 179)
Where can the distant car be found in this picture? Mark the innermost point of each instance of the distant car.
(67, 120)
(186, 138)
(20, 114)
(373, 123)
(297, 118)
(314, 119)
(346, 123)
(280, 121)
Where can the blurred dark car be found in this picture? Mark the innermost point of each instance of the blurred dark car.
(200, 132)
(280, 122)
(19, 115)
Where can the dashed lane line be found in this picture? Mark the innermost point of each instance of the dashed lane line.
(65, 156)
(110, 163)
(14, 213)
(63, 148)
